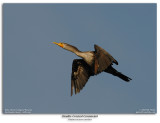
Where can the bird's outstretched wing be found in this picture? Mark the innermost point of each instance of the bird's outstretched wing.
(102, 59)
(80, 75)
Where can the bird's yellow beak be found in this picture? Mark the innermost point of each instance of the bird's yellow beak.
(59, 44)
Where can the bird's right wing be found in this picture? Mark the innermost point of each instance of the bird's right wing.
(80, 75)
(102, 59)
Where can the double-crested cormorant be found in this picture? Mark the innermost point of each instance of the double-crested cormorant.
(92, 63)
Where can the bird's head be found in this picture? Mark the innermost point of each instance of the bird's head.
(60, 44)
(67, 47)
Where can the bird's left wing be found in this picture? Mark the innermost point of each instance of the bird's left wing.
(80, 75)
(102, 59)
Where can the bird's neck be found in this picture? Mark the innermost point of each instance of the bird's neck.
(74, 50)
(80, 54)
(87, 56)
(77, 52)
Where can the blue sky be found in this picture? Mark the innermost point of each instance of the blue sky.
(37, 73)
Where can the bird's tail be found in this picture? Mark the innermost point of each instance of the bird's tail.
(114, 72)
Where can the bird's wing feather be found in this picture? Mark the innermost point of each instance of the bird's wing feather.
(103, 59)
(80, 75)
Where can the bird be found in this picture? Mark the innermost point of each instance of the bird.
(90, 64)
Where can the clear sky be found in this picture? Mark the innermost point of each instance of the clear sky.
(37, 73)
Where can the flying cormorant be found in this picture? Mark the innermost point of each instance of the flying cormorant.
(92, 63)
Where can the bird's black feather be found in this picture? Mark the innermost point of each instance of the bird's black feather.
(81, 72)
(114, 72)
(104, 59)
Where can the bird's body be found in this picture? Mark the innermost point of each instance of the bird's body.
(88, 57)
(92, 63)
